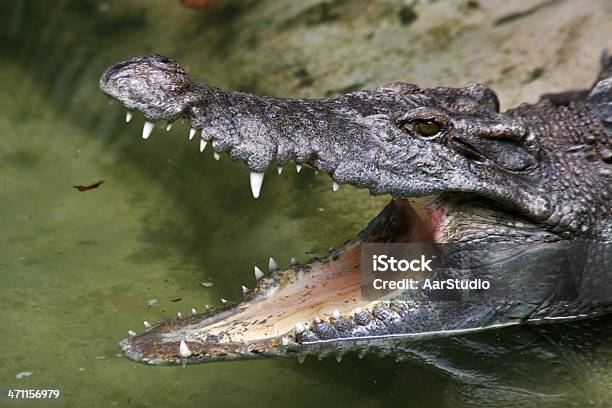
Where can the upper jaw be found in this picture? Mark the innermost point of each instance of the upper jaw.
(260, 155)
(360, 168)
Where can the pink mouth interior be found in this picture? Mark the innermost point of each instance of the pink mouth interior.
(329, 285)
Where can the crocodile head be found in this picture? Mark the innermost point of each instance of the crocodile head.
(458, 171)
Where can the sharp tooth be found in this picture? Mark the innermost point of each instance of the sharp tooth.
(179, 315)
(258, 274)
(285, 341)
(224, 301)
(299, 328)
(338, 357)
(216, 156)
(193, 311)
(256, 182)
(301, 358)
(298, 167)
(168, 126)
(336, 314)
(203, 144)
(147, 325)
(245, 290)
(128, 117)
(335, 186)
(280, 170)
(317, 319)
(184, 350)
(316, 172)
(272, 265)
(293, 261)
(147, 129)
(132, 333)
(361, 353)
(206, 307)
(192, 133)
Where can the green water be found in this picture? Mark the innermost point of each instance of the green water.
(79, 269)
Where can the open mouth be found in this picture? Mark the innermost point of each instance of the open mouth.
(294, 306)
(290, 307)
(302, 306)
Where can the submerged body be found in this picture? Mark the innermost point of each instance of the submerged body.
(460, 173)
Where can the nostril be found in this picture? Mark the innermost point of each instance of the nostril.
(114, 70)
(105, 76)
(108, 75)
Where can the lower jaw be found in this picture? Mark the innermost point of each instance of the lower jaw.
(271, 317)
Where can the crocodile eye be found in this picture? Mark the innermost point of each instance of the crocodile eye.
(427, 127)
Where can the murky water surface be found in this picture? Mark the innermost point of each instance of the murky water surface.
(79, 269)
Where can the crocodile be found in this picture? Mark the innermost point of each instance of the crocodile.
(459, 172)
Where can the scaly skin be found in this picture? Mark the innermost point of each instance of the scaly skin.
(460, 172)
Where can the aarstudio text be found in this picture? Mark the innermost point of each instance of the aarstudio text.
(431, 284)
